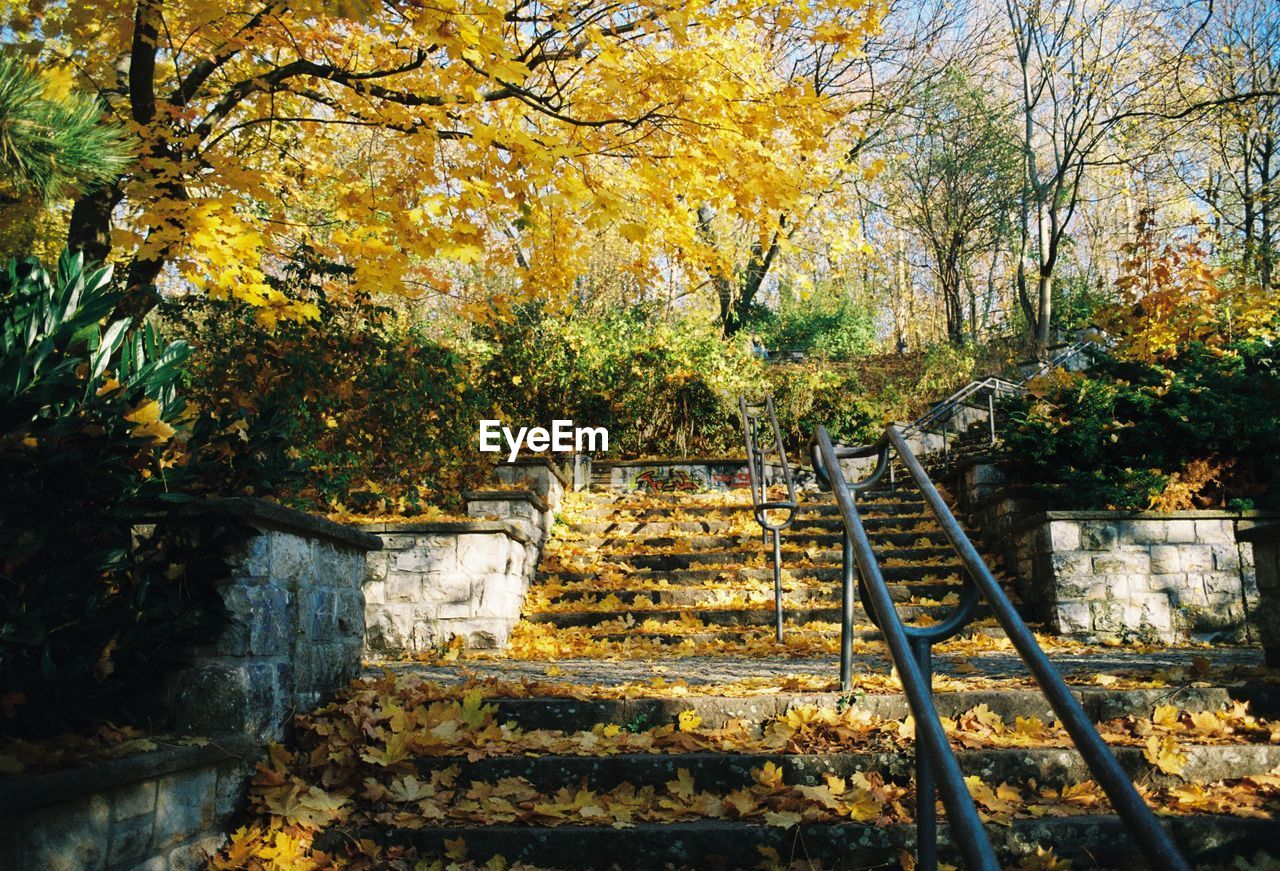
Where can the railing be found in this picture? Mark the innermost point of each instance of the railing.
(910, 648)
(992, 388)
(756, 417)
(943, 411)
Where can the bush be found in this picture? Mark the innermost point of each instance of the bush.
(856, 401)
(829, 324)
(92, 614)
(379, 418)
(662, 386)
(1200, 431)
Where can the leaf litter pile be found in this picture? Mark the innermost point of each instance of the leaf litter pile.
(394, 752)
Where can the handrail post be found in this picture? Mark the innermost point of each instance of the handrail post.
(846, 615)
(926, 790)
(991, 415)
(777, 581)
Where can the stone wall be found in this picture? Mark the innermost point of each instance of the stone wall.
(437, 581)
(686, 476)
(434, 581)
(1110, 575)
(538, 475)
(297, 624)
(524, 508)
(164, 809)
(1265, 539)
(295, 636)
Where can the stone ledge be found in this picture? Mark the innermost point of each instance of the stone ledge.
(1266, 530)
(718, 461)
(1118, 515)
(273, 516)
(21, 793)
(543, 461)
(449, 527)
(506, 495)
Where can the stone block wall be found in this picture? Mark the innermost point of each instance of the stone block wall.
(164, 809)
(434, 581)
(521, 507)
(1111, 575)
(437, 581)
(1265, 540)
(297, 624)
(538, 475)
(687, 476)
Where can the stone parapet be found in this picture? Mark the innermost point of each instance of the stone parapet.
(296, 608)
(1264, 538)
(1115, 575)
(435, 581)
(167, 808)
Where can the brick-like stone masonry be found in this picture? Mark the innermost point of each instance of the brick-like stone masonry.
(297, 625)
(436, 581)
(1265, 538)
(1111, 575)
(162, 811)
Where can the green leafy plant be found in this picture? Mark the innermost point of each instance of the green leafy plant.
(1200, 431)
(379, 418)
(102, 584)
(53, 145)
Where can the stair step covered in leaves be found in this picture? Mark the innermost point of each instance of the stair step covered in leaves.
(645, 717)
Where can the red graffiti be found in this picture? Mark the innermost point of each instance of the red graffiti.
(675, 482)
(738, 478)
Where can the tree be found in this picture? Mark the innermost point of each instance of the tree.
(431, 145)
(1075, 67)
(52, 141)
(958, 181)
(1239, 53)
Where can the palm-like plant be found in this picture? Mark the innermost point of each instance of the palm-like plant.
(53, 146)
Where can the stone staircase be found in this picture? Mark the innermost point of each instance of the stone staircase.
(737, 752)
(644, 717)
(650, 559)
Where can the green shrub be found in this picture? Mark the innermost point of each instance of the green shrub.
(1201, 431)
(663, 386)
(379, 418)
(829, 323)
(92, 614)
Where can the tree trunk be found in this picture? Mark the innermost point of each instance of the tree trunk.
(1044, 291)
(90, 230)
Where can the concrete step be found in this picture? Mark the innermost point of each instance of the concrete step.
(674, 577)
(759, 616)
(696, 596)
(792, 541)
(761, 634)
(1092, 841)
(737, 557)
(722, 772)
(1099, 704)
(807, 509)
(822, 524)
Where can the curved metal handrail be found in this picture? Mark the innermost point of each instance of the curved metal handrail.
(911, 651)
(754, 417)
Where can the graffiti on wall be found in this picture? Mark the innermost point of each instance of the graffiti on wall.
(682, 479)
(730, 477)
(673, 481)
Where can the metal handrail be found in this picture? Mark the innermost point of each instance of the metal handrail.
(911, 651)
(754, 417)
(993, 387)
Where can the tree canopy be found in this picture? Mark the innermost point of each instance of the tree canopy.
(445, 147)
